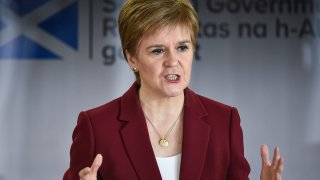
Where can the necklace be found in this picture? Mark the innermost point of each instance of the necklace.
(164, 142)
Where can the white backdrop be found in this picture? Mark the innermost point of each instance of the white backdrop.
(269, 71)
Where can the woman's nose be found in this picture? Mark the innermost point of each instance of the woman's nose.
(171, 60)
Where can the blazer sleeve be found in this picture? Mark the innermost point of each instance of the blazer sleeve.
(239, 168)
(82, 150)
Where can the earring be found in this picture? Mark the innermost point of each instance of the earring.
(135, 69)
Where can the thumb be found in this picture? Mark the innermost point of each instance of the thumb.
(96, 163)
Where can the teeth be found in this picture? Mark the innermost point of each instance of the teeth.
(172, 77)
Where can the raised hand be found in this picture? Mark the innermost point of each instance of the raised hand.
(90, 173)
(274, 170)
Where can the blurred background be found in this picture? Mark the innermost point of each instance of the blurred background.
(59, 57)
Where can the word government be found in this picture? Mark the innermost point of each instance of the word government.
(264, 6)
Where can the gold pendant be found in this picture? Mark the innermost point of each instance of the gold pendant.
(163, 143)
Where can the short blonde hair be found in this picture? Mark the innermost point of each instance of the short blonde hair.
(140, 18)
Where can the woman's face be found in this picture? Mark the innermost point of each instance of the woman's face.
(164, 61)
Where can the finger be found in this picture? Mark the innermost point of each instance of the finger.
(276, 157)
(96, 163)
(264, 155)
(278, 176)
(84, 172)
(280, 166)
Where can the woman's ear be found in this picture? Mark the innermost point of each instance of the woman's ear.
(132, 60)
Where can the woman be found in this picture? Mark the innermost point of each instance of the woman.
(160, 129)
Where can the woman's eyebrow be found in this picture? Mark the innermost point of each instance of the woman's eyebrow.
(155, 46)
(184, 42)
(161, 46)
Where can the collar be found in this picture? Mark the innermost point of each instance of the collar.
(136, 139)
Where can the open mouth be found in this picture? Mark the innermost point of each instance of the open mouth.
(172, 77)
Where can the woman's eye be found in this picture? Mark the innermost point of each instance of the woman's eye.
(183, 48)
(157, 51)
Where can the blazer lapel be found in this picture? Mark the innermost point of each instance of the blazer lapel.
(135, 136)
(196, 133)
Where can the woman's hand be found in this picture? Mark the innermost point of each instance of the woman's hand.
(274, 170)
(90, 173)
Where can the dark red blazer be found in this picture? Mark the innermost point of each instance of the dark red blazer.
(212, 146)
